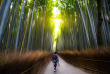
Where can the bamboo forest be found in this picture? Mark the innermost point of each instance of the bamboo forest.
(76, 31)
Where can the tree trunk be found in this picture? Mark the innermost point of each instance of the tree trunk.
(29, 37)
(99, 37)
(2, 8)
(19, 26)
(3, 21)
(1, 2)
(11, 26)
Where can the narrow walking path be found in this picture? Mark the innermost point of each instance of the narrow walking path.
(64, 68)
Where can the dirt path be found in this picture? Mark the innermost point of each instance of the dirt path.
(64, 68)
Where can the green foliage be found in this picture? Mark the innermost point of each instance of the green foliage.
(71, 26)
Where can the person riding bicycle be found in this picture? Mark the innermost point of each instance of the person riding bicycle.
(55, 60)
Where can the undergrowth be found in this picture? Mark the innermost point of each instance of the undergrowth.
(12, 63)
(94, 60)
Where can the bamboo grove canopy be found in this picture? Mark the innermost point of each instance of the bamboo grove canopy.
(54, 24)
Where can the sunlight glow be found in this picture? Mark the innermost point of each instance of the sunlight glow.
(29, 0)
(54, 0)
(57, 23)
(54, 46)
(56, 11)
(56, 32)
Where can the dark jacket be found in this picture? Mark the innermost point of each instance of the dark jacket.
(55, 58)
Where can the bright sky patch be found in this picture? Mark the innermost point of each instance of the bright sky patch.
(29, 0)
(55, 11)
